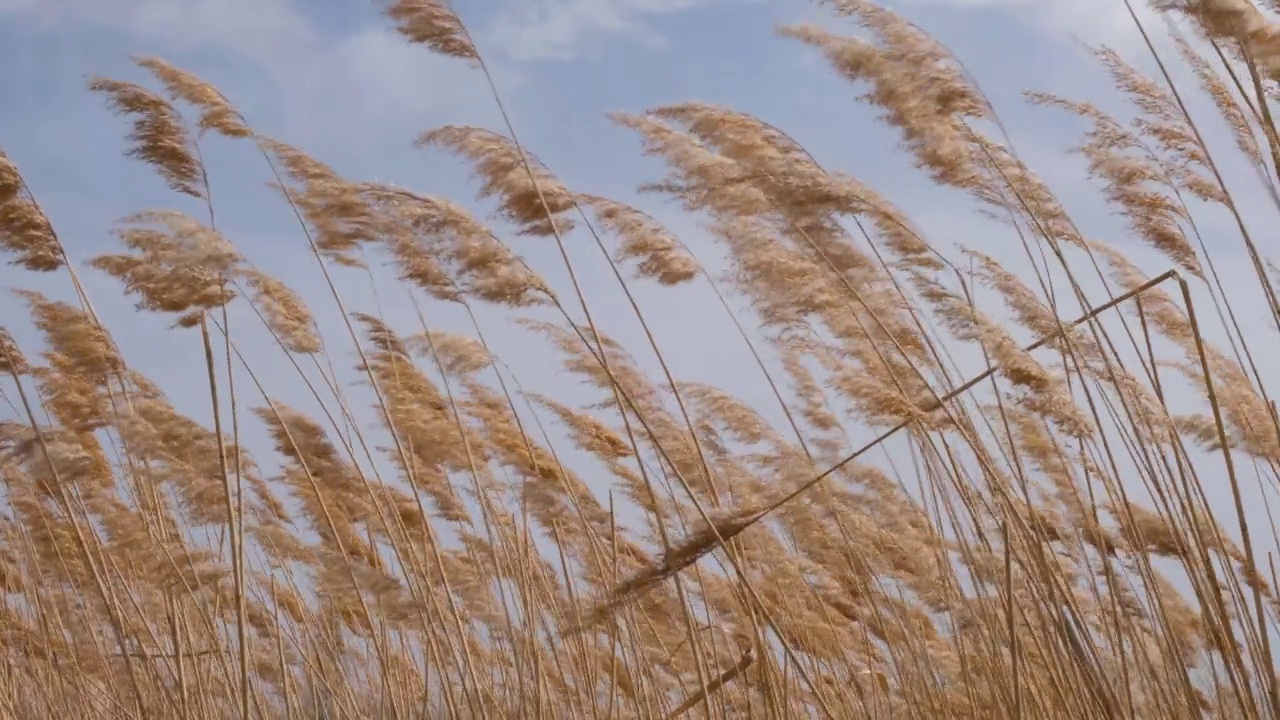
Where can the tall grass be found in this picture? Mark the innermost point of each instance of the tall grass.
(975, 492)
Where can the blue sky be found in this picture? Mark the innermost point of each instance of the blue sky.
(330, 77)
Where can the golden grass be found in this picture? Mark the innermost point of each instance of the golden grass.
(953, 508)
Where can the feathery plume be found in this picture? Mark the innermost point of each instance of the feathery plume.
(482, 265)
(285, 312)
(502, 168)
(159, 135)
(11, 359)
(661, 255)
(180, 266)
(1228, 106)
(216, 112)
(24, 228)
(914, 80)
(340, 218)
(434, 24)
(458, 354)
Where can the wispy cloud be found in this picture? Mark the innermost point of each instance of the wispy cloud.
(1104, 22)
(294, 68)
(264, 30)
(561, 29)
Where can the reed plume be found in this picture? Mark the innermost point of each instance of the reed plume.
(971, 485)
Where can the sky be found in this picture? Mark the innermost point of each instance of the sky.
(331, 77)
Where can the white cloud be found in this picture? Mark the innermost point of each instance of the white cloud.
(1097, 22)
(273, 57)
(372, 81)
(261, 30)
(558, 29)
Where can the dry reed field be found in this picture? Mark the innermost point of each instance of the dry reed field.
(973, 490)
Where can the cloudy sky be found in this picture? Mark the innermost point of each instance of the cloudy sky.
(330, 77)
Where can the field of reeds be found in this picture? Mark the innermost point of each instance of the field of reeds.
(962, 486)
